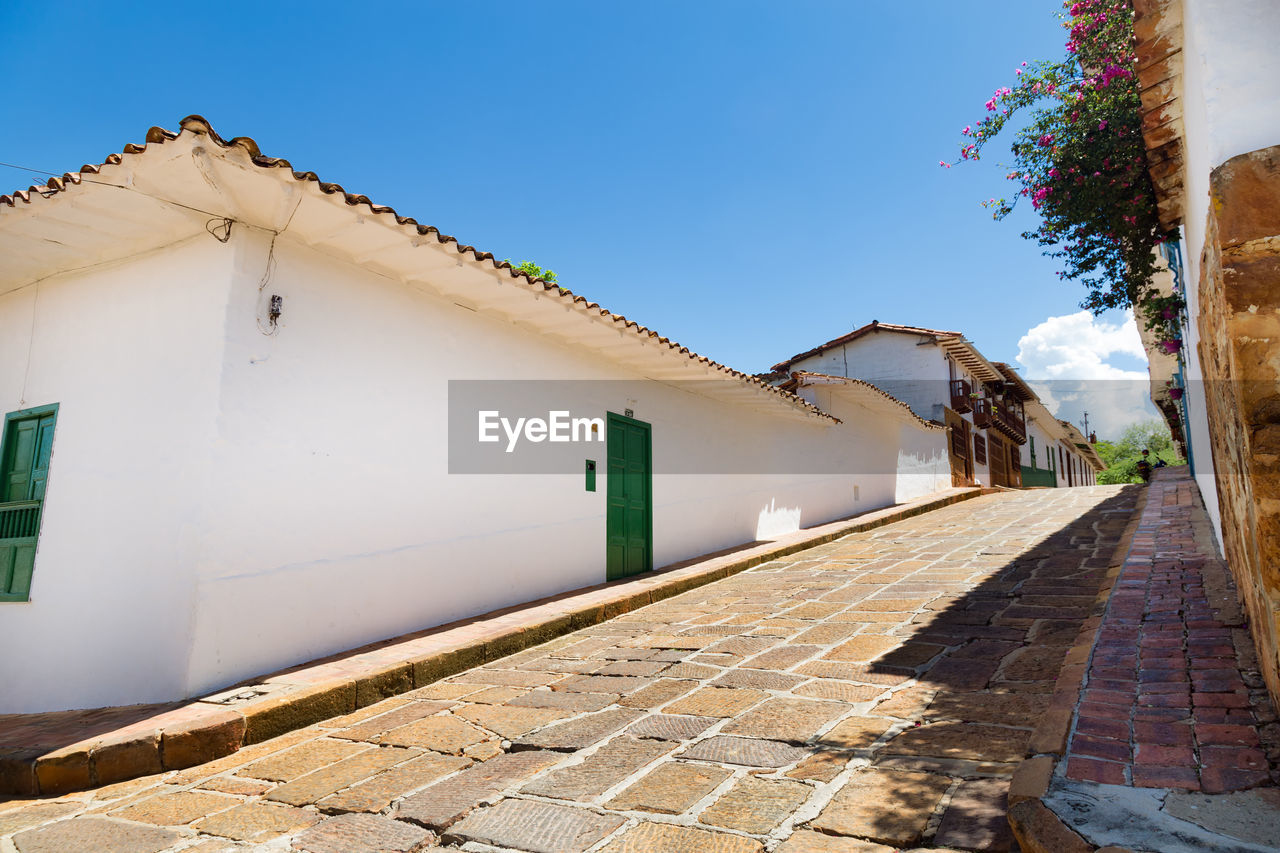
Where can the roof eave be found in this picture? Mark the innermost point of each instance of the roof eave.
(230, 185)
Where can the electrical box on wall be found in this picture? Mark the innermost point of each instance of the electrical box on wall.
(591, 475)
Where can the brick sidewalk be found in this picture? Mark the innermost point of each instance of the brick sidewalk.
(1173, 698)
(870, 694)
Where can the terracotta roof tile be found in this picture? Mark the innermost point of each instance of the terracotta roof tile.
(196, 124)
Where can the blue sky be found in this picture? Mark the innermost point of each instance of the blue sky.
(747, 178)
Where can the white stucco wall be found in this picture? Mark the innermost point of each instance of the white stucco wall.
(223, 503)
(910, 367)
(902, 459)
(131, 353)
(912, 371)
(1231, 106)
(331, 519)
(923, 464)
(1043, 444)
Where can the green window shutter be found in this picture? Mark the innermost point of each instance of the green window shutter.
(26, 450)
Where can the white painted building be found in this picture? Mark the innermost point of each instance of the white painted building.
(245, 375)
(944, 379)
(1057, 454)
(996, 422)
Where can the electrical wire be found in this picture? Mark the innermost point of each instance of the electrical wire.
(221, 231)
(47, 192)
(28, 169)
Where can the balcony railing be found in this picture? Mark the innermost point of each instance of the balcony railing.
(984, 416)
(1000, 416)
(960, 400)
(19, 519)
(1010, 422)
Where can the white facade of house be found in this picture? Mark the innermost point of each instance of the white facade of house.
(1043, 437)
(910, 365)
(917, 366)
(1055, 446)
(227, 497)
(912, 368)
(1230, 106)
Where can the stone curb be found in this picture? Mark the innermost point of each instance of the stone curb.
(201, 731)
(1035, 825)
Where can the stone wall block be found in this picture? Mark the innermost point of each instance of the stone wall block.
(1239, 350)
(1245, 192)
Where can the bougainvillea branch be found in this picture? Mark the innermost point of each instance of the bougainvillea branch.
(1080, 160)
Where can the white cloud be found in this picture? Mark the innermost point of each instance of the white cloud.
(1066, 360)
(1076, 346)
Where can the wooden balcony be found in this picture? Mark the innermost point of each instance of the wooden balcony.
(984, 416)
(1000, 416)
(1011, 423)
(960, 400)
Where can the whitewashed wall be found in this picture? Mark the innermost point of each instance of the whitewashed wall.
(1044, 444)
(333, 521)
(913, 372)
(131, 352)
(902, 460)
(1231, 106)
(223, 503)
(916, 374)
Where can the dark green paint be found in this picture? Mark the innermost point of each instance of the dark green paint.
(591, 475)
(1038, 477)
(629, 494)
(26, 449)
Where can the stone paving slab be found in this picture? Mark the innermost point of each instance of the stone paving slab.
(671, 788)
(535, 827)
(57, 752)
(801, 752)
(755, 805)
(612, 763)
(441, 804)
(651, 837)
(91, 833)
(362, 833)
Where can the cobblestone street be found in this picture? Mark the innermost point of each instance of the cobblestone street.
(872, 694)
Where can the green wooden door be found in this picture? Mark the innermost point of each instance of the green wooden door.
(629, 490)
(26, 448)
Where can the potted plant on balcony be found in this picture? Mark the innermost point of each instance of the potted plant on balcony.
(1170, 345)
(1175, 390)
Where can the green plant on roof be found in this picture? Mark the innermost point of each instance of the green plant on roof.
(533, 270)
